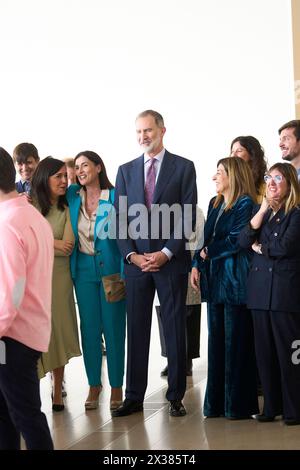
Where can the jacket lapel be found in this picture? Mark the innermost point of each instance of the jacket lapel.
(138, 179)
(164, 177)
(275, 221)
(75, 208)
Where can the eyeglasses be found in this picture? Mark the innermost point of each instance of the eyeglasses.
(277, 178)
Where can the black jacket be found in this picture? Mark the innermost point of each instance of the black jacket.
(274, 278)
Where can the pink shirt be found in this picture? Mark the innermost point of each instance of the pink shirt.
(26, 262)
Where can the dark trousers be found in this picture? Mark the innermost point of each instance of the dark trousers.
(275, 333)
(231, 378)
(192, 331)
(20, 403)
(140, 290)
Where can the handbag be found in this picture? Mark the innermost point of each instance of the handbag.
(114, 287)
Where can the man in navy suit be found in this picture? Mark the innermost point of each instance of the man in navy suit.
(26, 159)
(153, 243)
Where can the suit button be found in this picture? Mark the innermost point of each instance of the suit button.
(275, 234)
(256, 268)
(101, 264)
(270, 269)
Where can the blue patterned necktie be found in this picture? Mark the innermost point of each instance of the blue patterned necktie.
(150, 184)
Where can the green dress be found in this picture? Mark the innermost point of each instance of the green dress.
(64, 342)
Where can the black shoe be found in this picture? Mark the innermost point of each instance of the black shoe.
(292, 422)
(264, 419)
(164, 372)
(176, 408)
(189, 367)
(56, 407)
(128, 407)
(236, 418)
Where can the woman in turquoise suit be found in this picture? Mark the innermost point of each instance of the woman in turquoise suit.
(224, 266)
(96, 255)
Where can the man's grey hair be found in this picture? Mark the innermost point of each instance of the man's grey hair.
(159, 120)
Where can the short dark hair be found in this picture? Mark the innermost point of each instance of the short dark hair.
(7, 172)
(40, 184)
(294, 124)
(159, 120)
(97, 160)
(24, 151)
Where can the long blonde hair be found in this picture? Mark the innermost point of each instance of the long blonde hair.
(292, 198)
(241, 181)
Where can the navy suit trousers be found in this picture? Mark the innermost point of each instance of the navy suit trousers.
(171, 289)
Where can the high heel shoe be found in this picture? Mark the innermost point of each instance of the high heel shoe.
(93, 404)
(116, 398)
(114, 404)
(56, 406)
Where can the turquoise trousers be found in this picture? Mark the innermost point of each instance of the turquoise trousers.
(99, 317)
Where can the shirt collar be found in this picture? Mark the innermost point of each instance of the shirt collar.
(158, 157)
(104, 195)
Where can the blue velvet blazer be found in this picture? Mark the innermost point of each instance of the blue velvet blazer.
(224, 275)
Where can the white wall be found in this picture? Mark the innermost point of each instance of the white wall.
(75, 73)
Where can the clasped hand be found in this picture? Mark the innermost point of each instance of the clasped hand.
(65, 246)
(149, 262)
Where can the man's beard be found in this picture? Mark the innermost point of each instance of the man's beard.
(289, 157)
(149, 148)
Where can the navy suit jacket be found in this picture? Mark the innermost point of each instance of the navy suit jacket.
(176, 184)
(19, 187)
(274, 278)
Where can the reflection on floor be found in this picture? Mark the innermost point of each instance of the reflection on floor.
(75, 428)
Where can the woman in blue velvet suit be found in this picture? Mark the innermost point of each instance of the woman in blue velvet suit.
(96, 254)
(231, 379)
(274, 294)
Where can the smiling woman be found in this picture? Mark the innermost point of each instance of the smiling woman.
(231, 387)
(273, 294)
(49, 186)
(93, 258)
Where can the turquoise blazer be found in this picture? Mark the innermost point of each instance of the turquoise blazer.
(106, 248)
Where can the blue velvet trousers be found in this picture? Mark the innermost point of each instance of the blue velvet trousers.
(231, 388)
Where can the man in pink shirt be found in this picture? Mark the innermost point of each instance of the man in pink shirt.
(26, 260)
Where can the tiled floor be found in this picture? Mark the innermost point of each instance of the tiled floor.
(154, 429)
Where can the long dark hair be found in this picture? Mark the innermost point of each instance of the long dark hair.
(257, 160)
(94, 157)
(40, 184)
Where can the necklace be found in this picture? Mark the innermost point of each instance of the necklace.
(91, 203)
